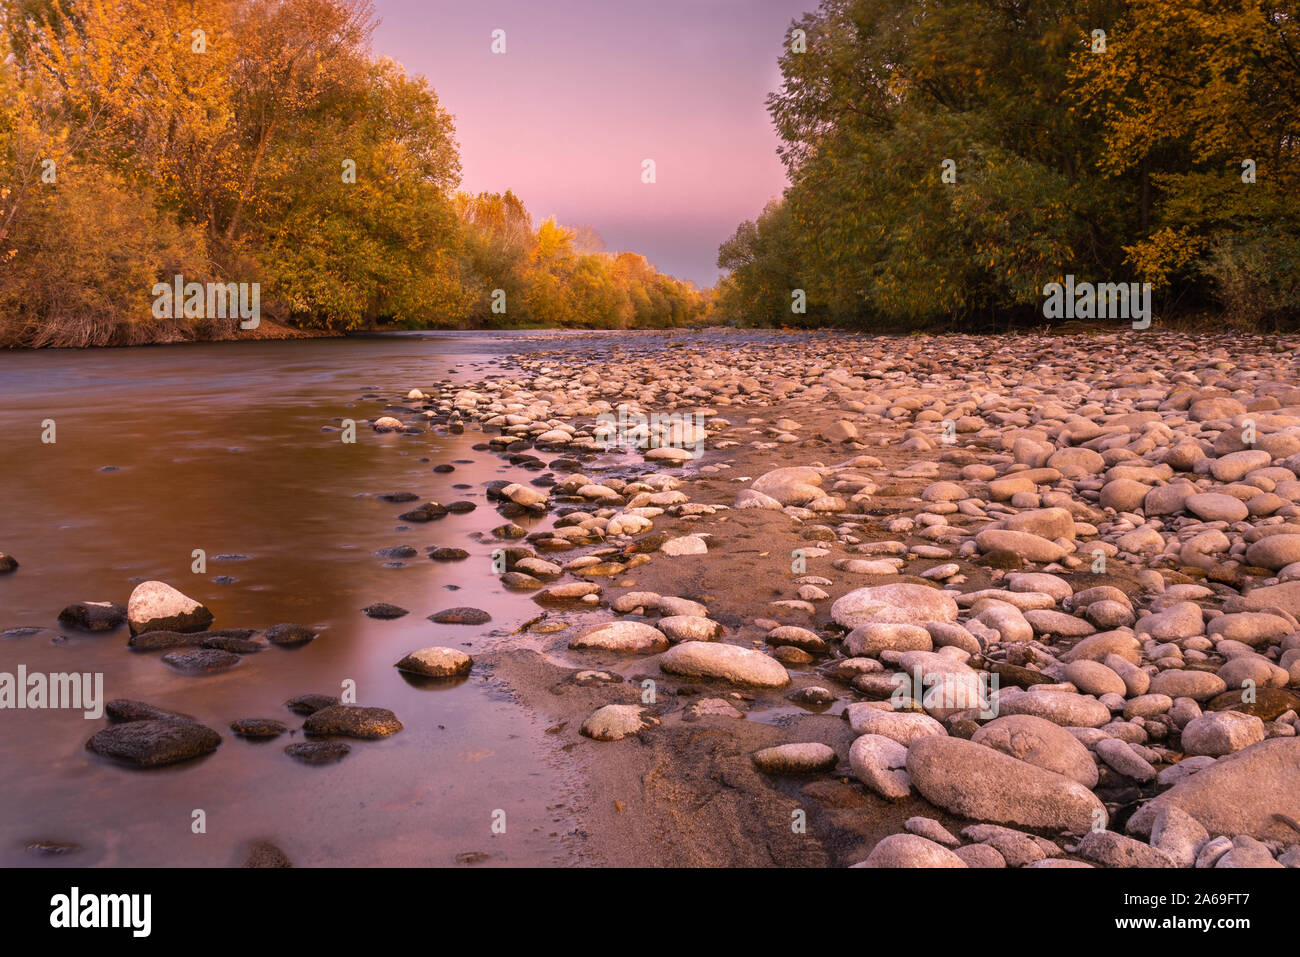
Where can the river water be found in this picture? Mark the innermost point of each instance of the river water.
(161, 451)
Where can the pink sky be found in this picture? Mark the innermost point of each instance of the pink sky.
(589, 88)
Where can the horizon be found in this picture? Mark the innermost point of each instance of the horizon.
(702, 74)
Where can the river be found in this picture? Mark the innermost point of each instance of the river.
(221, 447)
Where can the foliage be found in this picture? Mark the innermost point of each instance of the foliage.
(259, 141)
(1122, 164)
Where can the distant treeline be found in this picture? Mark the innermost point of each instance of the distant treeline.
(259, 141)
(1148, 141)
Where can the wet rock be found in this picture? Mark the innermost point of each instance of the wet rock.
(289, 635)
(310, 703)
(436, 662)
(126, 709)
(384, 611)
(318, 752)
(258, 727)
(352, 721)
(160, 640)
(157, 606)
(627, 637)
(201, 661)
(154, 742)
(93, 616)
(461, 616)
(266, 854)
(427, 512)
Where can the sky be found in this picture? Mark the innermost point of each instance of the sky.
(589, 89)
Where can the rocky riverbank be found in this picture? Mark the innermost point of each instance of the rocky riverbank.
(834, 600)
(931, 601)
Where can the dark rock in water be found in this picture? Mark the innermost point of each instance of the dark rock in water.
(353, 721)
(310, 703)
(108, 468)
(288, 635)
(460, 508)
(21, 632)
(122, 710)
(425, 513)
(201, 661)
(1269, 703)
(228, 557)
(93, 615)
(449, 554)
(158, 640)
(384, 611)
(493, 489)
(258, 727)
(565, 465)
(814, 697)
(398, 497)
(318, 752)
(266, 854)
(461, 616)
(7, 563)
(444, 468)
(513, 510)
(240, 646)
(230, 633)
(155, 742)
(397, 551)
(51, 848)
(509, 530)
(224, 580)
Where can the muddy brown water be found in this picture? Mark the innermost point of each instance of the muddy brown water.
(161, 451)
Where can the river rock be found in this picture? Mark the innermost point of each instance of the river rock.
(1039, 742)
(880, 763)
(901, 603)
(910, 850)
(154, 742)
(983, 784)
(436, 662)
(1239, 794)
(803, 758)
(738, 666)
(157, 606)
(1222, 732)
(352, 721)
(628, 637)
(616, 721)
(93, 615)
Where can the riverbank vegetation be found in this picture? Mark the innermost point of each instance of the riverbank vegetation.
(1116, 141)
(260, 141)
